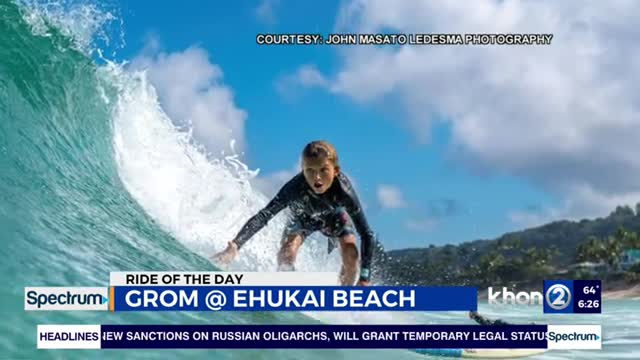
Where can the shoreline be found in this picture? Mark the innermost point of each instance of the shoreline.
(612, 290)
(629, 292)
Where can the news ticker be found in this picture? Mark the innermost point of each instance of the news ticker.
(567, 337)
(291, 291)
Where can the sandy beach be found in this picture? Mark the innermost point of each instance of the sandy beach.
(627, 291)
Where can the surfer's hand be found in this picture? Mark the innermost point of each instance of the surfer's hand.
(227, 255)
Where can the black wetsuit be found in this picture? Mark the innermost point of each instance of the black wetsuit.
(317, 212)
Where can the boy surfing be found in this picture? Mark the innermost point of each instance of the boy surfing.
(321, 198)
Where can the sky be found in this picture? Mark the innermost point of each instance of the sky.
(445, 144)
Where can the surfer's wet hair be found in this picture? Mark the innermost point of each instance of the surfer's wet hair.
(321, 150)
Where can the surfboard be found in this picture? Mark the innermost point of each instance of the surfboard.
(481, 353)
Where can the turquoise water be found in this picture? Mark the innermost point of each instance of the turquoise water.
(94, 178)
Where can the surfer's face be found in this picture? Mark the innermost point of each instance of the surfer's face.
(319, 174)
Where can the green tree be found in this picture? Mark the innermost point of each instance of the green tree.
(614, 250)
(593, 249)
(488, 265)
(628, 239)
(623, 211)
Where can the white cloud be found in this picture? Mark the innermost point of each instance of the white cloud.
(565, 116)
(309, 75)
(425, 224)
(529, 219)
(266, 13)
(582, 201)
(306, 76)
(191, 92)
(390, 197)
(269, 184)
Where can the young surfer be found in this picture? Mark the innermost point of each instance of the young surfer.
(321, 198)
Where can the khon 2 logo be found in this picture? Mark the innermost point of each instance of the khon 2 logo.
(558, 296)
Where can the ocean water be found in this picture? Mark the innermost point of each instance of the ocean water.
(95, 178)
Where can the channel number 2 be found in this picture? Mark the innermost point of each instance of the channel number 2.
(558, 296)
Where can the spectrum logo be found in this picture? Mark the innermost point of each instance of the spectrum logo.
(66, 298)
(587, 337)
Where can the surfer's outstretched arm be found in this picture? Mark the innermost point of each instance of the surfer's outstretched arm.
(255, 223)
(482, 320)
(260, 220)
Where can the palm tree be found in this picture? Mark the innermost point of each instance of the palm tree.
(614, 249)
(488, 266)
(629, 239)
(593, 249)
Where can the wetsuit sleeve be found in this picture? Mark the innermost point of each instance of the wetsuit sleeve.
(367, 237)
(260, 220)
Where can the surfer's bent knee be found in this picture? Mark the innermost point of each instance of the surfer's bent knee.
(288, 252)
(349, 249)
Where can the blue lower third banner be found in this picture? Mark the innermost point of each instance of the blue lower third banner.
(293, 298)
(323, 336)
